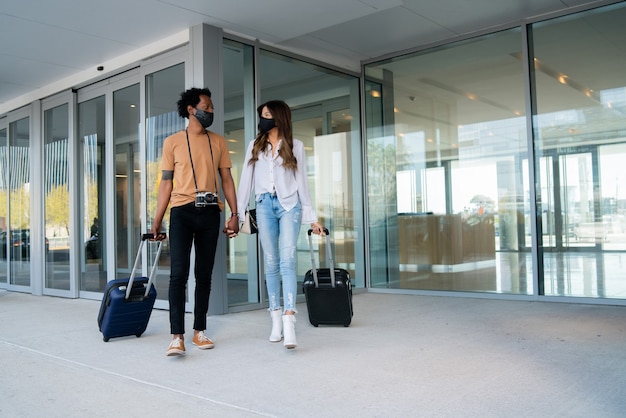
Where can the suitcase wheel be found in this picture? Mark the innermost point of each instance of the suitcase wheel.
(316, 325)
(138, 335)
(105, 339)
(346, 324)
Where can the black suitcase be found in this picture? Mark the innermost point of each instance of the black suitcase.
(127, 303)
(328, 291)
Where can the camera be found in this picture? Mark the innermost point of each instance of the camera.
(205, 199)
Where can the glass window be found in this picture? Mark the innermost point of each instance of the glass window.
(446, 149)
(17, 237)
(325, 112)
(239, 129)
(127, 178)
(91, 136)
(4, 193)
(163, 90)
(580, 85)
(57, 194)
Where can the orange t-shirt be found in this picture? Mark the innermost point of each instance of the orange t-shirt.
(176, 157)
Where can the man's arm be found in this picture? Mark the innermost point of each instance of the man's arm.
(163, 200)
(228, 185)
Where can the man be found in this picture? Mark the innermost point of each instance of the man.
(191, 161)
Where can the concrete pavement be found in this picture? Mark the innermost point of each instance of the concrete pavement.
(403, 355)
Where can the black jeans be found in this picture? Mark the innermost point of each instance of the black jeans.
(199, 226)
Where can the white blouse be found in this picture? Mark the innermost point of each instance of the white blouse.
(268, 176)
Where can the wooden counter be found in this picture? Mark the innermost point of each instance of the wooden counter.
(445, 239)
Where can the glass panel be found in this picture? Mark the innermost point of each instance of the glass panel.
(580, 146)
(17, 238)
(446, 149)
(127, 178)
(57, 194)
(239, 128)
(163, 88)
(325, 110)
(4, 192)
(433, 196)
(338, 155)
(91, 134)
(613, 177)
(577, 222)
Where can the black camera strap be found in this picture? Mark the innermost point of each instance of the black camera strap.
(191, 159)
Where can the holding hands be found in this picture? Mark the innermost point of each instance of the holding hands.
(232, 226)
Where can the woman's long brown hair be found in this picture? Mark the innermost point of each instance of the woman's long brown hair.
(282, 118)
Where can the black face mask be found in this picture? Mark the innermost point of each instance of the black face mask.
(265, 125)
(205, 118)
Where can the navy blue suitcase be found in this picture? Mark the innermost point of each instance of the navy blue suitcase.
(328, 291)
(127, 303)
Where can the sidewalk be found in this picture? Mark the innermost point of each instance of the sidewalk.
(403, 355)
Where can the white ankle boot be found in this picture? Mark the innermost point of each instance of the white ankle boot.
(277, 326)
(289, 329)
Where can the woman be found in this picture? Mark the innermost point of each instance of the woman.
(275, 168)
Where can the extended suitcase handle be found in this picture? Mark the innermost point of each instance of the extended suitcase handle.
(329, 256)
(144, 238)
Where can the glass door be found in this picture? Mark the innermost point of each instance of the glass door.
(245, 287)
(162, 89)
(127, 205)
(580, 215)
(127, 178)
(91, 139)
(57, 211)
(333, 164)
(4, 193)
(612, 178)
(570, 214)
(16, 250)
(108, 114)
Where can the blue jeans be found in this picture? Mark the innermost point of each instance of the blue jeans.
(278, 232)
(200, 227)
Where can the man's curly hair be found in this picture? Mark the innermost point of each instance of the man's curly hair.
(190, 97)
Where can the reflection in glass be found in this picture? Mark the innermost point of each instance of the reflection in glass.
(325, 113)
(446, 146)
(163, 89)
(239, 128)
(18, 250)
(127, 178)
(580, 147)
(57, 194)
(4, 192)
(91, 134)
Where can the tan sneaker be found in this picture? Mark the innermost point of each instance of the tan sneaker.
(176, 348)
(202, 341)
